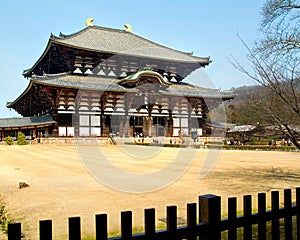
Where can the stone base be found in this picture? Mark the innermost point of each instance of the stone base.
(74, 141)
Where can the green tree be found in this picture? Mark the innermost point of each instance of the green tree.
(9, 140)
(21, 140)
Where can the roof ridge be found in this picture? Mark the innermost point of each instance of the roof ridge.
(8, 118)
(51, 75)
(63, 36)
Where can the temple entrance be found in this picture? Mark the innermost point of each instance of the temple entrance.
(158, 127)
(138, 131)
(137, 126)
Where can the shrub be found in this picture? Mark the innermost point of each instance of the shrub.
(9, 140)
(4, 220)
(21, 140)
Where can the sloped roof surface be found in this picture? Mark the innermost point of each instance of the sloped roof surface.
(122, 42)
(26, 121)
(91, 82)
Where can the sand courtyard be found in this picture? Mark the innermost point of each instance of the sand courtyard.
(63, 183)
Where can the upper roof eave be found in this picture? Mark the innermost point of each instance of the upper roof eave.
(60, 40)
(27, 72)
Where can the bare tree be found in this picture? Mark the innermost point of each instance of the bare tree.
(274, 64)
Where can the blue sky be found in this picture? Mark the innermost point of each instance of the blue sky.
(204, 27)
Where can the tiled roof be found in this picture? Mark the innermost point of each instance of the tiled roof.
(117, 41)
(91, 82)
(26, 121)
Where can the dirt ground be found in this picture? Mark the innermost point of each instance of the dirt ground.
(60, 186)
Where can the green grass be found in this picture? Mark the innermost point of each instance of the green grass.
(4, 218)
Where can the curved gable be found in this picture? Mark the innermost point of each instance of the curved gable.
(142, 77)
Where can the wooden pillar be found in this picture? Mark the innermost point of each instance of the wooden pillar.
(189, 120)
(55, 101)
(148, 126)
(75, 119)
(125, 122)
(19, 130)
(124, 126)
(2, 134)
(102, 105)
(34, 132)
(55, 127)
(202, 120)
(76, 123)
(170, 118)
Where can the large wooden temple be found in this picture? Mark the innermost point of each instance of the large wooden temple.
(103, 81)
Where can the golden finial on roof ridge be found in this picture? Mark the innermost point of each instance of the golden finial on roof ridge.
(89, 21)
(128, 27)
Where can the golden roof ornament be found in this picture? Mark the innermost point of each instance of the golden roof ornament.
(128, 27)
(89, 21)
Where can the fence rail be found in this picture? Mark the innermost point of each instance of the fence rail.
(209, 227)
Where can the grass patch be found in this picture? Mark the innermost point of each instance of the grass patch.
(255, 147)
(4, 219)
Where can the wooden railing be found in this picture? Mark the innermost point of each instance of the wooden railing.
(209, 225)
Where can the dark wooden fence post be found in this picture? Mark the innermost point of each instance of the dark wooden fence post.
(191, 221)
(247, 217)
(288, 228)
(172, 222)
(262, 225)
(101, 226)
(232, 206)
(14, 231)
(210, 213)
(126, 224)
(275, 213)
(74, 228)
(149, 223)
(298, 211)
(45, 230)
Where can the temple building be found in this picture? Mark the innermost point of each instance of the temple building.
(101, 81)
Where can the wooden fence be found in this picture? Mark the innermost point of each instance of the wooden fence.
(210, 225)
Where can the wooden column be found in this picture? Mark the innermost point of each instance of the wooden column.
(55, 102)
(189, 120)
(34, 132)
(102, 105)
(55, 127)
(202, 120)
(124, 124)
(148, 126)
(169, 128)
(76, 123)
(2, 134)
(170, 118)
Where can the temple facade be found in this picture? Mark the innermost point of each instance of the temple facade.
(102, 81)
